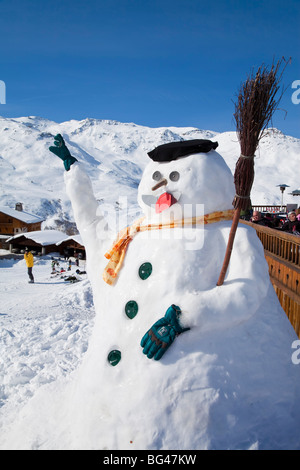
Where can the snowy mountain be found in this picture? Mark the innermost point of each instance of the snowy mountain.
(114, 155)
(73, 373)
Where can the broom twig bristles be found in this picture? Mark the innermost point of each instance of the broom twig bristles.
(257, 101)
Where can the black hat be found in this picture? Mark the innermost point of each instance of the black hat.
(183, 148)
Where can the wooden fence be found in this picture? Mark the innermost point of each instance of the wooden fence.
(270, 208)
(282, 252)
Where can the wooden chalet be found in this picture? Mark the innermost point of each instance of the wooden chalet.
(39, 242)
(72, 246)
(14, 221)
(48, 241)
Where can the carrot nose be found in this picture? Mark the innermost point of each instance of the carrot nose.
(159, 184)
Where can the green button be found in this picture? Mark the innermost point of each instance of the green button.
(114, 357)
(145, 270)
(131, 309)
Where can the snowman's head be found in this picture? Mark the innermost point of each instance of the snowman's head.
(173, 187)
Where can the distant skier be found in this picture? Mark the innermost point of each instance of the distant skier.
(28, 256)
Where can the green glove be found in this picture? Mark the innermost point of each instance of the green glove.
(62, 151)
(162, 334)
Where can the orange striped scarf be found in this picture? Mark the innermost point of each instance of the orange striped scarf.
(117, 252)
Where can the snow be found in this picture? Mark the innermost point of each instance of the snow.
(21, 215)
(43, 237)
(43, 344)
(76, 238)
(227, 383)
(45, 329)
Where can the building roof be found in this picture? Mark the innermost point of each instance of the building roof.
(75, 238)
(42, 237)
(21, 215)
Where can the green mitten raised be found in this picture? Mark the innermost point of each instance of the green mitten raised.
(62, 151)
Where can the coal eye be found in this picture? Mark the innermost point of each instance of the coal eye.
(174, 176)
(157, 176)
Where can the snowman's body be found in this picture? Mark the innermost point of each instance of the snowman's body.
(227, 383)
(185, 261)
(188, 399)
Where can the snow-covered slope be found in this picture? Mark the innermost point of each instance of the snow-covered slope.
(114, 155)
(228, 383)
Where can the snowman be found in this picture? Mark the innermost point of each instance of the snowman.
(169, 364)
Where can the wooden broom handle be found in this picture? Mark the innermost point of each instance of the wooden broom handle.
(235, 221)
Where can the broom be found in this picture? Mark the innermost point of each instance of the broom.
(255, 106)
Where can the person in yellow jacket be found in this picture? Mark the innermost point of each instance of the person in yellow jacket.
(28, 256)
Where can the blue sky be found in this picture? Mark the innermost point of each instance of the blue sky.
(155, 63)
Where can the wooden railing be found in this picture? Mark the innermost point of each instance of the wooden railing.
(282, 252)
(269, 208)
